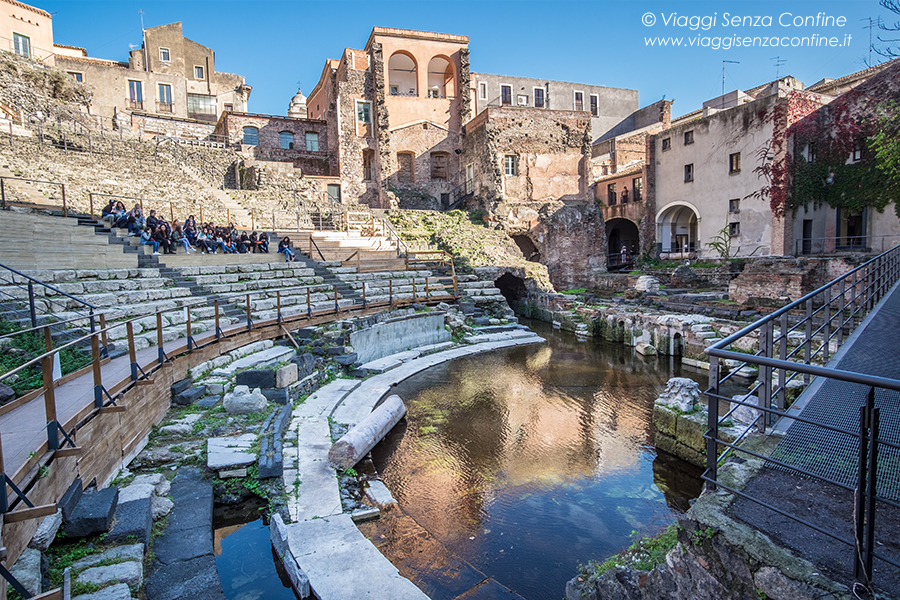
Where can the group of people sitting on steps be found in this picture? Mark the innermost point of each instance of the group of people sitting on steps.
(207, 238)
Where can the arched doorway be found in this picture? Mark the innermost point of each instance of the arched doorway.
(621, 233)
(676, 231)
(402, 75)
(512, 288)
(529, 250)
(441, 80)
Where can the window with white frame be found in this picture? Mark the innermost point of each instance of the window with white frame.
(79, 77)
(363, 112)
(312, 141)
(22, 45)
(538, 97)
(482, 90)
(689, 172)
(579, 100)
(734, 162)
(164, 55)
(165, 97)
(511, 165)
(470, 178)
(734, 229)
(595, 105)
(198, 72)
(734, 205)
(505, 95)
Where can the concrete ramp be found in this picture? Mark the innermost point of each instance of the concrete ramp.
(341, 563)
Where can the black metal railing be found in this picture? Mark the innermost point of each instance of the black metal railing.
(810, 331)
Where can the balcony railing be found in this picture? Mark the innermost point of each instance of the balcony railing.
(135, 104)
(165, 107)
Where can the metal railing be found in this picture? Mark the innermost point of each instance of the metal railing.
(842, 244)
(9, 196)
(29, 286)
(810, 331)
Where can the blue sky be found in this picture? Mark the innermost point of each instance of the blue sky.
(275, 45)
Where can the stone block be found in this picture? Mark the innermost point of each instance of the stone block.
(196, 578)
(279, 538)
(336, 350)
(690, 430)
(360, 373)
(256, 378)
(645, 349)
(70, 498)
(233, 473)
(681, 393)
(6, 394)
(160, 506)
(286, 375)
(379, 494)
(180, 386)
(93, 513)
(46, 532)
(306, 364)
(347, 359)
(664, 420)
(133, 521)
(131, 573)
(136, 491)
(28, 570)
(305, 333)
(119, 591)
(242, 401)
(190, 395)
(116, 553)
(278, 396)
(208, 401)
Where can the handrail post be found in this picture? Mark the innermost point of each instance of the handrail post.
(807, 351)
(364, 293)
(391, 292)
(826, 331)
(190, 339)
(712, 423)
(171, 212)
(65, 209)
(249, 320)
(3, 191)
(161, 354)
(278, 303)
(782, 374)
(104, 338)
(91, 202)
(95, 363)
(218, 329)
(336, 306)
(50, 403)
(31, 306)
(308, 304)
(455, 285)
(132, 355)
(426, 289)
(765, 391)
(842, 307)
(414, 288)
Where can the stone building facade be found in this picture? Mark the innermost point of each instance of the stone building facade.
(611, 110)
(170, 76)
(26, 31)
(397, 108)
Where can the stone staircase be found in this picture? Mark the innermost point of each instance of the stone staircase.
(239, 215)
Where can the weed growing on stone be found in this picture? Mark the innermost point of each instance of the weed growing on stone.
(644, 554)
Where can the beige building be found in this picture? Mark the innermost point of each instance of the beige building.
(170, 76)
(26, 31)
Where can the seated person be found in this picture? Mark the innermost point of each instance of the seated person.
(147, 240)
(263, 242)
(285, 246)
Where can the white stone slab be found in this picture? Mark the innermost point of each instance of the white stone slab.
(268, 357)
(230, 452)
(323, 401)
(341, 563)
(317, 494)
(498, 337)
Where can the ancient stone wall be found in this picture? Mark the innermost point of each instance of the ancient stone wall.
(573, 244)
(318, 159)
(149, 126)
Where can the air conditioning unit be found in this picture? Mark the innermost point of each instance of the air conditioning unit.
(522, 100)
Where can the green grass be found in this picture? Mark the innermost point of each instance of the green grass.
(574, 291)
(644, 554)
(31, 345)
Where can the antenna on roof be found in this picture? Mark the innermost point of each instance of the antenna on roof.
(779, 62)
(872, 24)
(723, 78)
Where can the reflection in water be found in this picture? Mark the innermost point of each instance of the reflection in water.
(526, 461)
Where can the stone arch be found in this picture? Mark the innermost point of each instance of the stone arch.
(677, 345)
(676, 228)
(512, 287)
(403, 74)
(621, 232)
(441, 77)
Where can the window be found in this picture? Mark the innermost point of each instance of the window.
(334, 193)
(811, 152)
(368, 159)
(538, 97)
(666, 144)
(734, 162)
(251, 136)
(439, 165)
(286, 139)
(595, 105)
(637, 184)
(857, 153)
(165, 98)
(522, 100)
(135, 95)
(395, 90)
(22, 45)
(229, 107)
(406, 167)
(312, 141)
(470, 178)
(734, 229)
(198, 72)
(611, 196)
(579, 100)
(482, 90)
(79, 77)
(734, 206)
(164, 55)
(688, 137)
(511, 165)
(689, 172)
(505, 95)
(363, 112)
(201, 107)
(624, 194)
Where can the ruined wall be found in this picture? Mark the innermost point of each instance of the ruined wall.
(310, 162)
(150, 126)
(421, 140)
(572, 241)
